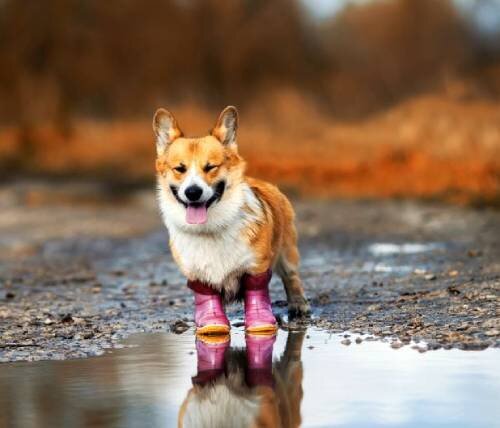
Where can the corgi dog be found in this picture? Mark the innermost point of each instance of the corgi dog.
(227, 231)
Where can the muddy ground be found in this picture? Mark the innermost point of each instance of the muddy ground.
(82, 267)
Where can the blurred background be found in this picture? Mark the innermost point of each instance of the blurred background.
(388, 98)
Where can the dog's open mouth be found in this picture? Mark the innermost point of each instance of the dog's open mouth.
(196, 213)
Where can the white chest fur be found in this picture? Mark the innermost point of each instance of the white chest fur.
(216, 252)
(213, 258)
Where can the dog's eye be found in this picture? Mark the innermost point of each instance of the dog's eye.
(181, 168)
(208, 167)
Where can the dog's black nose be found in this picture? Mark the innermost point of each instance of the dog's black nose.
(193, 193)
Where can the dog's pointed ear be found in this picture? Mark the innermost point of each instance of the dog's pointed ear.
(166, 129)
(226, 126)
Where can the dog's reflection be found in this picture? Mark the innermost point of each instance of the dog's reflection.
(242, 387)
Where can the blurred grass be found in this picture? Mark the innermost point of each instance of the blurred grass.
(432, 146)
(385, 98)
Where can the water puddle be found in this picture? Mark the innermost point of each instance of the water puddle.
(386, 258)
(302, 379)
(387, 248)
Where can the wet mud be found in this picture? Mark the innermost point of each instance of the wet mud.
(83, 267)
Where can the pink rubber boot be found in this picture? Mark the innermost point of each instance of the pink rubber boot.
(260, 360)
(210, 360)
(259, 316)
(209, 314)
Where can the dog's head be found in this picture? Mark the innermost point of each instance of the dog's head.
(197, 171)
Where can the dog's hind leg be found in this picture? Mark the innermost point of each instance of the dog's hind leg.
(287, 267)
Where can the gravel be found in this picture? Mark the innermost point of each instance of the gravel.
(77, 279)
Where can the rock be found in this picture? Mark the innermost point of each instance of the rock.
(495, 322)
(322, 299)
(238, 324)
(432, 346)
(346, 342)
(66, 318)
(474, 253)
(463, 326)
(179, 327)
(79, 321)
(118, 272)
(473, 346)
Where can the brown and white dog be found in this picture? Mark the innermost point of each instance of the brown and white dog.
(222, 224)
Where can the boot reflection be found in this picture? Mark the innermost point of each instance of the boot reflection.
(260, 360)
(210, 356)
(242, 387)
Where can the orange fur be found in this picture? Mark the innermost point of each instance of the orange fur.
(200, 152)
(267, 237)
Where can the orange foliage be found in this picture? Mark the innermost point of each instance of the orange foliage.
(432, 147)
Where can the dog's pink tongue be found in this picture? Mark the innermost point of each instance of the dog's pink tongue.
(196, 215)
